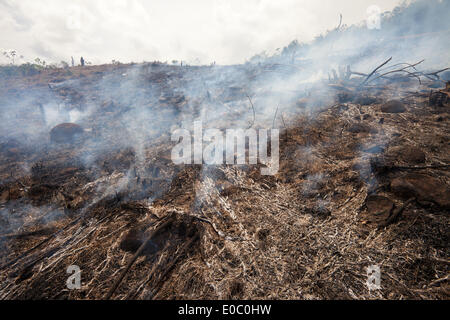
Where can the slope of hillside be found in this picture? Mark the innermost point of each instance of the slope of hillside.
(362, 181)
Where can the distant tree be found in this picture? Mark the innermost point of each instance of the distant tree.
(40, 62)
(13, 54)
(10, 55)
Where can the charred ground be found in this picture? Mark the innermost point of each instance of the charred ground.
(363, 180)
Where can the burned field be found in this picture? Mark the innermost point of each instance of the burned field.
(363, 180)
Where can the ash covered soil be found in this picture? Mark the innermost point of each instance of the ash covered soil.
(87, 178)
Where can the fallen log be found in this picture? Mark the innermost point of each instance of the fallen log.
(21, 235)
(442, 166)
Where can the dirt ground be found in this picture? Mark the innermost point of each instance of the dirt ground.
(363, 181)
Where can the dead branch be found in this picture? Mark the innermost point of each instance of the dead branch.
(408, 65)
(254, 113)
(423, 167)
(340, 22)
(21, 235)
(437, 281)
(402, 70)
(440, 166)
(274, 117)
(437, 72)
(375, 70)
(358, 73)
(410, 74)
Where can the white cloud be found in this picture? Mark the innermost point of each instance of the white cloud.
(226, 31)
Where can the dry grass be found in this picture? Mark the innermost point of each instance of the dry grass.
(304, 233)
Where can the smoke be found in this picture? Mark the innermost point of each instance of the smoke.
(220, 95)
(409, 33)
(138, 106)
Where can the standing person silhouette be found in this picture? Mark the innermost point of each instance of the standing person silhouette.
(82, 61)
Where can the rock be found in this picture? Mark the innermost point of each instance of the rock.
(66, 133)
(408, 154)
(359, 127)
(376, 203)
(393, 106)
(378, 207)
(423, 187)
(413, 155)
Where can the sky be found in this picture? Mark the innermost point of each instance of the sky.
(196, 31)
